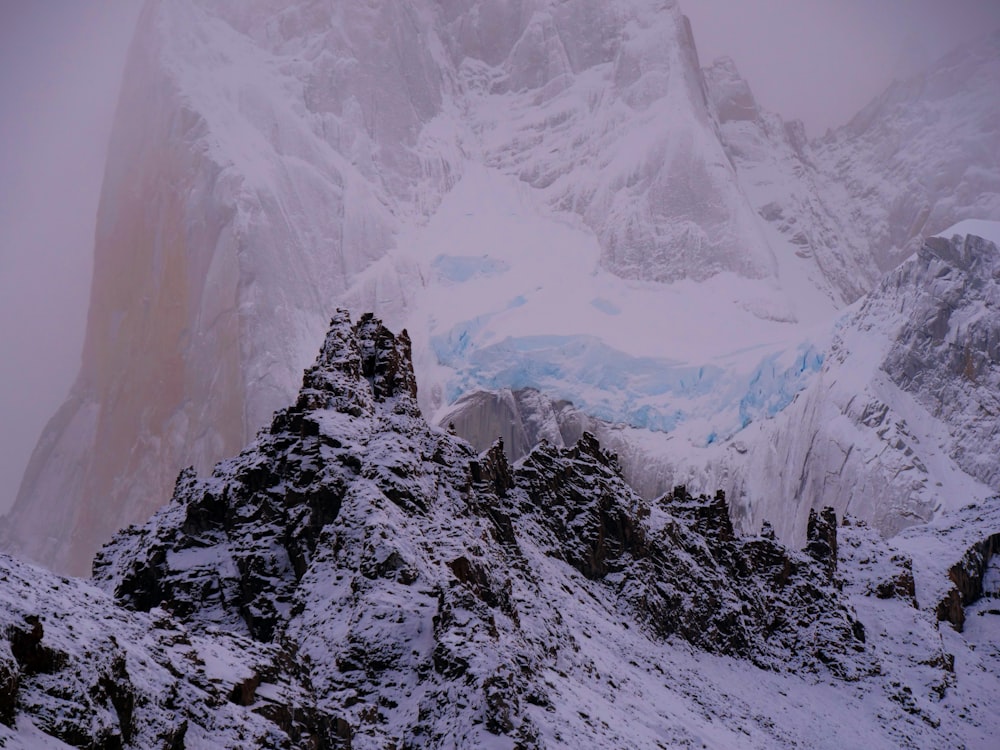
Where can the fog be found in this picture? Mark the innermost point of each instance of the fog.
(60, 67)
(822, 60)
(61, 63)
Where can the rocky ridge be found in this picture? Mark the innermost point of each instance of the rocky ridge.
(345, 512)
(358, 578)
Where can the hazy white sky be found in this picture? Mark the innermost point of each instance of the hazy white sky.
(60, 68)
(822, 60)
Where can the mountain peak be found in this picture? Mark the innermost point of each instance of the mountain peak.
(729, 92)
(355, 578)
(360, 364)
(241, 547)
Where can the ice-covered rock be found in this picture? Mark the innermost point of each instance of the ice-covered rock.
(383, 552)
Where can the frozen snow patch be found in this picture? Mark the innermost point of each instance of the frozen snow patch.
(606, 306)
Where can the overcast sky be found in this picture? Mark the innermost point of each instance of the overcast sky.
(60, 67)
(822, 60)
(61, 63)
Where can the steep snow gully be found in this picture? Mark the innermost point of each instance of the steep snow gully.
(358, 578)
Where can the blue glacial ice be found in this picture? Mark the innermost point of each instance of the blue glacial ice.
(606, 306)
(647, 392)
(459, 268)
(773, 385)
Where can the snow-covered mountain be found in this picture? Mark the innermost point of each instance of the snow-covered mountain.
(548, 195)
(901, 421)
(922, 156)
(778, 174)
(892, 420)
(357, 578)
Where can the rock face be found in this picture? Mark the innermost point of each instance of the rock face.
(356, 578)
(208, 175)
(271, 163)
(791, 192)
(900, 423)
(947, 354)
(968, 576)
(520, 419)
(77, 668)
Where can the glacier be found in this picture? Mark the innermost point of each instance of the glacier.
(645, 392)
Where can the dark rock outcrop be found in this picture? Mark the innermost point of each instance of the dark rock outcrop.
(373, 558)
(683, 570)
(967, 577)
(356, 578)
(265, 510)
(10, 678)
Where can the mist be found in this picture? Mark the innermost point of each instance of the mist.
(821, 61)
(61, 64)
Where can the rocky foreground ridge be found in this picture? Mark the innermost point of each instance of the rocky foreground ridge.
(356, 578)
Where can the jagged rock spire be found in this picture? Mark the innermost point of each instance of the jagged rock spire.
(380, 551)
(358, 365)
